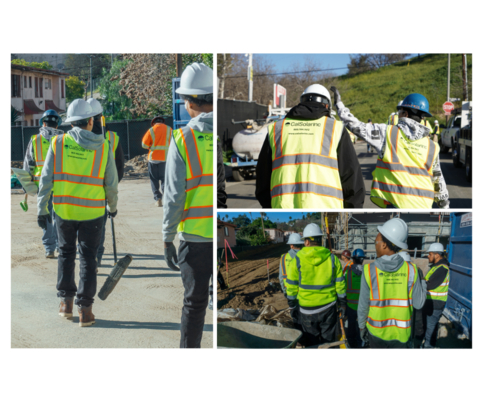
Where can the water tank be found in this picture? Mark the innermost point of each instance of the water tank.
(248, 143)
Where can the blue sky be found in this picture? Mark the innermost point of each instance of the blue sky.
(285, 62)
(282, 216)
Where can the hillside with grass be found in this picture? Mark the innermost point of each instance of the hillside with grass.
(375, 94)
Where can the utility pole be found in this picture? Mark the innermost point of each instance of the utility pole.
(91, 82)
(250, 76)
(464, 76)
(178, 59)
(448, 79)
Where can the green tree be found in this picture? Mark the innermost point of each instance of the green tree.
(44, 64)
(75, 88)
(79, 65)
(266, 222)
(116, 105)
(241, 220)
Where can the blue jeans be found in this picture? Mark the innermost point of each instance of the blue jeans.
(432, 321)
(49, 237)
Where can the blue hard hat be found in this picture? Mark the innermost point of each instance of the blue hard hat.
(358, 253)
(417, 102)
(50, 115)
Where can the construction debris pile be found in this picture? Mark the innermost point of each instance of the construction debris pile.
(136, 167)
(268, 315)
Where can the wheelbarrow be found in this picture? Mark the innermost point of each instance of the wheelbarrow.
(248, 335)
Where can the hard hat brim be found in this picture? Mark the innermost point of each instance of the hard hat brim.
(58, 124)
(400, 244)
(204, 91)
(76, 118)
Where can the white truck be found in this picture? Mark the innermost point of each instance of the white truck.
(448, 136)
(462, 144)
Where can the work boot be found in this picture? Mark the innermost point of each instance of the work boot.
(66, 307)
(158, 203)
(86, 316)
(50, 254)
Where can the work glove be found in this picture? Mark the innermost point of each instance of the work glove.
(43, 219)
(336, 95)
(170, 256)
(364, 334)
(293, 306)
(112, 214)
(342, 308)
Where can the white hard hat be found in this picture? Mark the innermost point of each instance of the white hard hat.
(79, 110)
(317, 89)
(405, 256)
(312, 230)
(395, 230)
(435, 122)
(400, 103)
(96, 106)
(436, 248)
(197, 79)
(393, 113)
(294, 238)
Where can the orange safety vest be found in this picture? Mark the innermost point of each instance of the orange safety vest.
(155, 140)
(348, 264)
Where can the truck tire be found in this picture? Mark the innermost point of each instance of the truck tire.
(456, 156)
(468, 168)
(238, 175)
(443, 148)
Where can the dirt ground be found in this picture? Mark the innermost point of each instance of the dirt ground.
(143, 311)
(248, 279)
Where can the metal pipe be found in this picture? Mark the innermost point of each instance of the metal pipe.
(128, 139)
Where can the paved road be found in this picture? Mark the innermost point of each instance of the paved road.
(143, 311)
(242, 194)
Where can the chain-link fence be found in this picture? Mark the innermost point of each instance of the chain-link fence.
(130, 133)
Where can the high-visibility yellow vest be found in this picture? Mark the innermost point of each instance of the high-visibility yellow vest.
(197, 152)
(347, 265)
(353, 282)
(440, 292)
(113, 139)
(392, 120)
(284, 261)
(157, 140)
(40, 149)
(426, 123)
(314, 285)
(78, 179)
(304, 166)
(403, 177)
(391, 305)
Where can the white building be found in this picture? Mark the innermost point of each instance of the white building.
(276, 235)
(35, 90)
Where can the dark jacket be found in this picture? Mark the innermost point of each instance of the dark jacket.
(221, 193)
(434, 282)
(348, 166)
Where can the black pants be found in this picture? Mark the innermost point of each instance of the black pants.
(320, 327)
(89, 233)
(353, 332)
(156, 171)
(196, 266)
(377, 343)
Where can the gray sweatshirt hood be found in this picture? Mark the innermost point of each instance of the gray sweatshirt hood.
(412, 129)
(49, 132)
(202, 123)
(389, 263)
(87, 139)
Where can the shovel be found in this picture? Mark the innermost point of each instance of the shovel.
(24, 204)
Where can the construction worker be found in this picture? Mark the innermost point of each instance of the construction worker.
(188, 200)
(315, 284)
(80, 170)
(117, 150)
(157, 141)
(296, 244)
(438, 279)
(346, 259)
(436, 132)
(405, 255)
(353, 277)
(408, 173)
(390, 289)
(308, 159)
(33, 163)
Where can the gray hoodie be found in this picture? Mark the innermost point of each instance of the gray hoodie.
(29, 160)
(376, 134)
(388, 263)
(88, 140)
(176, 184)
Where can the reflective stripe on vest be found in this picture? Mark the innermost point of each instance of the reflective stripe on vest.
(155, 147)
(315, 287)
(391, 305)
(403, 178)
(353, 288)
(77, 196)
(40, 148)
(197, 217)
(305, 173)
(441, 291)
(116, 139)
